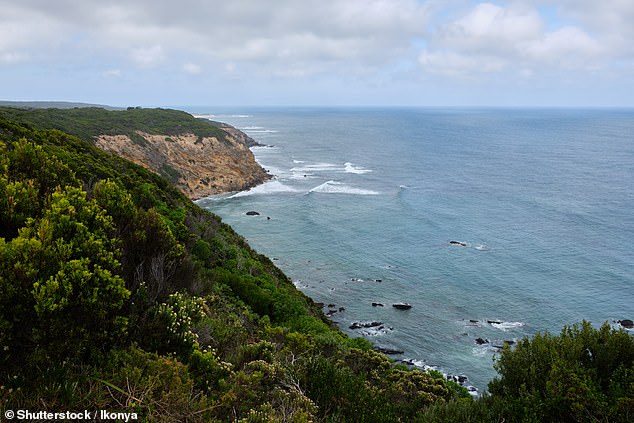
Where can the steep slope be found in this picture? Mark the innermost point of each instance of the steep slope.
(199, 157)
(118, 293)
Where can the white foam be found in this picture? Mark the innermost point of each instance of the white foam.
(240, 116)
(263, 148)
(480, 247)
(480, 351)
(350, 168)
(506, 326)
(270, 187)
(333, 187)
(418, 363)
(318, 167)
(203, 116)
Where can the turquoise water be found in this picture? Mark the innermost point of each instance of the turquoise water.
(365, 202)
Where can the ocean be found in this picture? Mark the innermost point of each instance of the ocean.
(494, 224)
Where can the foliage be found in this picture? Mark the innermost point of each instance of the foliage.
(116, 292)
(89, 122)
(584, 374)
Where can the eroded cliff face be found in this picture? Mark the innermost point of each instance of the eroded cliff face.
(198, 166)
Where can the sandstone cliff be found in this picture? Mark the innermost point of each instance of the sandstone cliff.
(199, 166)
(199, 156)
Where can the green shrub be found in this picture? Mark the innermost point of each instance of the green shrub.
(583, 374)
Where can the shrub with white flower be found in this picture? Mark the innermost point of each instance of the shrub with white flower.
(181, 314)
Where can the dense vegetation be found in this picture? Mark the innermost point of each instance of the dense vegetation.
(89, 122)
(118, 293)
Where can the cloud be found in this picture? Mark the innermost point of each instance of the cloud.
(492, 39)
(491, 28)
(450, 63)
(148, 56)
(113, 73)
(325, 43)
(369, 32)
(568, 48)
(192, 68)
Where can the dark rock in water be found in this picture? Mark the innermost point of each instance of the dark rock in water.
(402, 306)
(331, 306)
(481, 341)
(268, 217)
(473, 322)
(252, 213)
(388, 351)
(377, 305)
(460, 243)
(378, 280)
(361, 325)
(494, 322)
(319, 304)
(460, 379)
(627, 323)
(342, 308)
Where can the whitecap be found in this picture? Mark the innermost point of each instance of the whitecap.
(270, 187)
(358, 170)
(481, 247)
(506, 326)
(263, 147)
(204, 116)
(318, 167)
(333, 187)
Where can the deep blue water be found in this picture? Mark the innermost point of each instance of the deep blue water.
(542, 198)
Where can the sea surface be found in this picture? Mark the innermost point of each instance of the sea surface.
(365, 204)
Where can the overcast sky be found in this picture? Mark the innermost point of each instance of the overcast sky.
(319, 52)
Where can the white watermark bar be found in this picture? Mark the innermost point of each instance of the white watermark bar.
(85, 415)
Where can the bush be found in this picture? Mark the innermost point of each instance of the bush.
(584, 374)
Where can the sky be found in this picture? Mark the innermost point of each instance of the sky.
(538, 53)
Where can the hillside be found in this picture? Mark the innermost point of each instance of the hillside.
(117, 293)
(199, 157)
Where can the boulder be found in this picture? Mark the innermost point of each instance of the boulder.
(402, 306)
(388, 351)
(460, 243)
(252, 213)
(377, 305)
(362, 325)
(627, 323)
(481, 341)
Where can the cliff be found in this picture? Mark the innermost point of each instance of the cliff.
(197, 166)
(198, 156)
